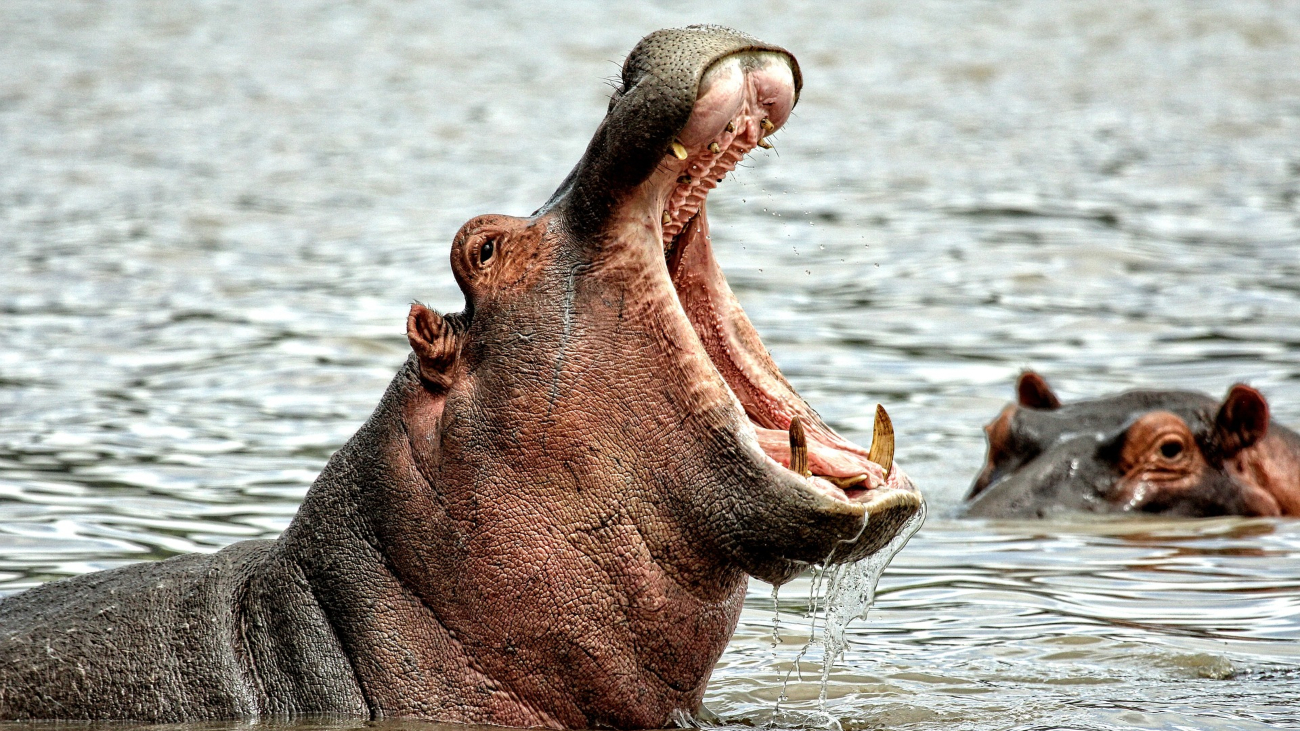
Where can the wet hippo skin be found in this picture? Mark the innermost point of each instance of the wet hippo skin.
(550, 517)
(1175, 453)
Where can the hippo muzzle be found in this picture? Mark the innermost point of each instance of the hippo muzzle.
(692, 104)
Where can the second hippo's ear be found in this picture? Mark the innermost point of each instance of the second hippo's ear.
(1032, 391)
(1242, 419)
(436, 343)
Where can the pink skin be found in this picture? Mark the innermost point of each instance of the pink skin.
(674, 605)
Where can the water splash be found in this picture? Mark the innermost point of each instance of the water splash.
(837, 595)
(776, 615)
(850, 592)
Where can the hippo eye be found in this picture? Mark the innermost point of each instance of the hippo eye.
(1171, 448)
(485, 252)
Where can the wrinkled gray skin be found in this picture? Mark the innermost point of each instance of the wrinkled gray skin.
(547, 521)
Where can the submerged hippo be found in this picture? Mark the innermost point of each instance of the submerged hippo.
(1169, 452)
(549, 518)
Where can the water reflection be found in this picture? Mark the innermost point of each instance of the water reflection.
(213, 219)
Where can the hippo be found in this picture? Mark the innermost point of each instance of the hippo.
(550, 518)
(1173, 453)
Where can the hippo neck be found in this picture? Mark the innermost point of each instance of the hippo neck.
(421, 608)
(1273, 465)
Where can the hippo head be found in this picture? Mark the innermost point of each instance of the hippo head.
(602, 365)
(1169, 452)
(609, 447)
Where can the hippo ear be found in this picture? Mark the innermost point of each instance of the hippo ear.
(1033, 392)
(1242, 419)
(436, 343)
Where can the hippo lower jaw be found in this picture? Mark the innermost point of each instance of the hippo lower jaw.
(741, 100)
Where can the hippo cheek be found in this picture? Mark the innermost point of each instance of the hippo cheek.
(1202, 494)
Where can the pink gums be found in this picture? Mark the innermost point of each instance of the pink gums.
(753, 98)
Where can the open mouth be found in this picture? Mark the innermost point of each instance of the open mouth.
(742, 100)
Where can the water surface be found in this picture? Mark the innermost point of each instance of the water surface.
(214, 215)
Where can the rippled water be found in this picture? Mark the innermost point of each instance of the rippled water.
(213, 216)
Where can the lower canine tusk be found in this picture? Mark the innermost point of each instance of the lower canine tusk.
(882, 441)
(679, 150)
(798, 448)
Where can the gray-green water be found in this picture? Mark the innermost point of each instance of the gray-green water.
(213, 216)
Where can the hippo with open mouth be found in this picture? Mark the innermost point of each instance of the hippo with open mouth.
(549, 518)
(1174, 453)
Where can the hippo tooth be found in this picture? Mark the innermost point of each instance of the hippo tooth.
(679, 150)
(667, 218)
(882, 440)
(715, 148)
(798, 448)
(684, 179)
(848, 483)
(763, 143)
(731, 127)
(767, 126)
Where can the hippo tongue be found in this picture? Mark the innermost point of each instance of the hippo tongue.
(736, 350)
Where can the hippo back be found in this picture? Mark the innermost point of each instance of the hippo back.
(170, 640)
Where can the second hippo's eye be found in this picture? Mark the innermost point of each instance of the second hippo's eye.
(1171, 448)
(486, 251)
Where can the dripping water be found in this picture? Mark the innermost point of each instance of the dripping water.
(776, 616)
(850, 592)
(837, 595)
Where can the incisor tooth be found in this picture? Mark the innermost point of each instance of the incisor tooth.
(882, 441)
(683, 179)
(679, 150)
(667, 219)
(715, 148)
(731, 127)
(767, 125)
(763, 143)
(798, 448)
